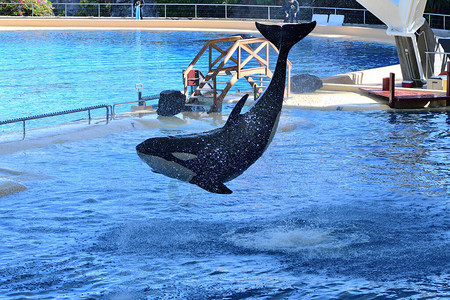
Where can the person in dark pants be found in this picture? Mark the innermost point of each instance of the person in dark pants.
(291, 11)
(138, 8)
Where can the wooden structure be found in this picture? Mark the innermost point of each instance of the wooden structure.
(406, 98)
(229, 59)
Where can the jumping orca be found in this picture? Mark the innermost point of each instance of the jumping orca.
(209, 159)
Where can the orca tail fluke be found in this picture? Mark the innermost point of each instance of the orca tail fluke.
(286, 35)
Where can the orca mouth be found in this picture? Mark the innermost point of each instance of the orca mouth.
(140, 154)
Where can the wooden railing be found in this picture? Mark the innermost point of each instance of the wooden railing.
(239, 69)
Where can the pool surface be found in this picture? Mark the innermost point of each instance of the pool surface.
(46, 71)
(342, 205)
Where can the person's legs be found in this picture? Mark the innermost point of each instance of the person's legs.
(291, 17)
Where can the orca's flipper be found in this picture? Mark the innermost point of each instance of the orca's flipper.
(287, 35)
(211, 185)
(236, 111)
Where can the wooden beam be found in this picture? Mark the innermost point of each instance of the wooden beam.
(218, 65)
(254, 54)
(257, 70)
(223, 53)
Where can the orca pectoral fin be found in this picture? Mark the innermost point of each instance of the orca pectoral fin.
(212, 186)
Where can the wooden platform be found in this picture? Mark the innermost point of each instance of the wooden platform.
(408, 99)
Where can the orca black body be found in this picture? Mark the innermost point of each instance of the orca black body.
(211, 158)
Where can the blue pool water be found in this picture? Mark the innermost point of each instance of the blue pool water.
(45, 71)
(343, 204)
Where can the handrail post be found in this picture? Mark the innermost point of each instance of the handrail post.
(215, 91)
(107, 113)
(65, 9)
(23, 130)
(448, 84)
(239, 62)
(98, 10)
(165, 11)
(226, 11)
(185, 83)
(268, 12)
(210, 59)
(289, 82)
(195, 11)
(267, 58)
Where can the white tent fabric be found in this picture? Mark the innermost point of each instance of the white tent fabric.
(403, 17)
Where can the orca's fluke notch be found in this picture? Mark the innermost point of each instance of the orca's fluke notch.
(286, 35)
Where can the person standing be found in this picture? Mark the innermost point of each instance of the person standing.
(291, 11)
(138, 8)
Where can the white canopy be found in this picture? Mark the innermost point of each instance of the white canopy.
(403, 17)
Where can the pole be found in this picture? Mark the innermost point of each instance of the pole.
(448, 83)
(391, 89)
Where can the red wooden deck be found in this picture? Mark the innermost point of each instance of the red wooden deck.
(408, 99)
(406, 95)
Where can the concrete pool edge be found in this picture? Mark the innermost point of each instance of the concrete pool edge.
(372, 33)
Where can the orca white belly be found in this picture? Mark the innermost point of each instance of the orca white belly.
(168, 168)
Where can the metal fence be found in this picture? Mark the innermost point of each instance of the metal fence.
(60, 113)
(221, 11)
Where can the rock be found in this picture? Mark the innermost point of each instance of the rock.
(170, 103)
(8, 187)
(305, 83)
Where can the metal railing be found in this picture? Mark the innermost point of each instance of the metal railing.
(436, 19)
(431, 68)
(225, 11)
(53, 114)
(142, 102)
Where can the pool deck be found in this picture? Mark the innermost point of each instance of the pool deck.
(340, 92)
(29, 23)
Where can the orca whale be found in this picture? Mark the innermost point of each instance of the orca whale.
(209, 159)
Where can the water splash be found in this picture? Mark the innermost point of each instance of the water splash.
(292, 240)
